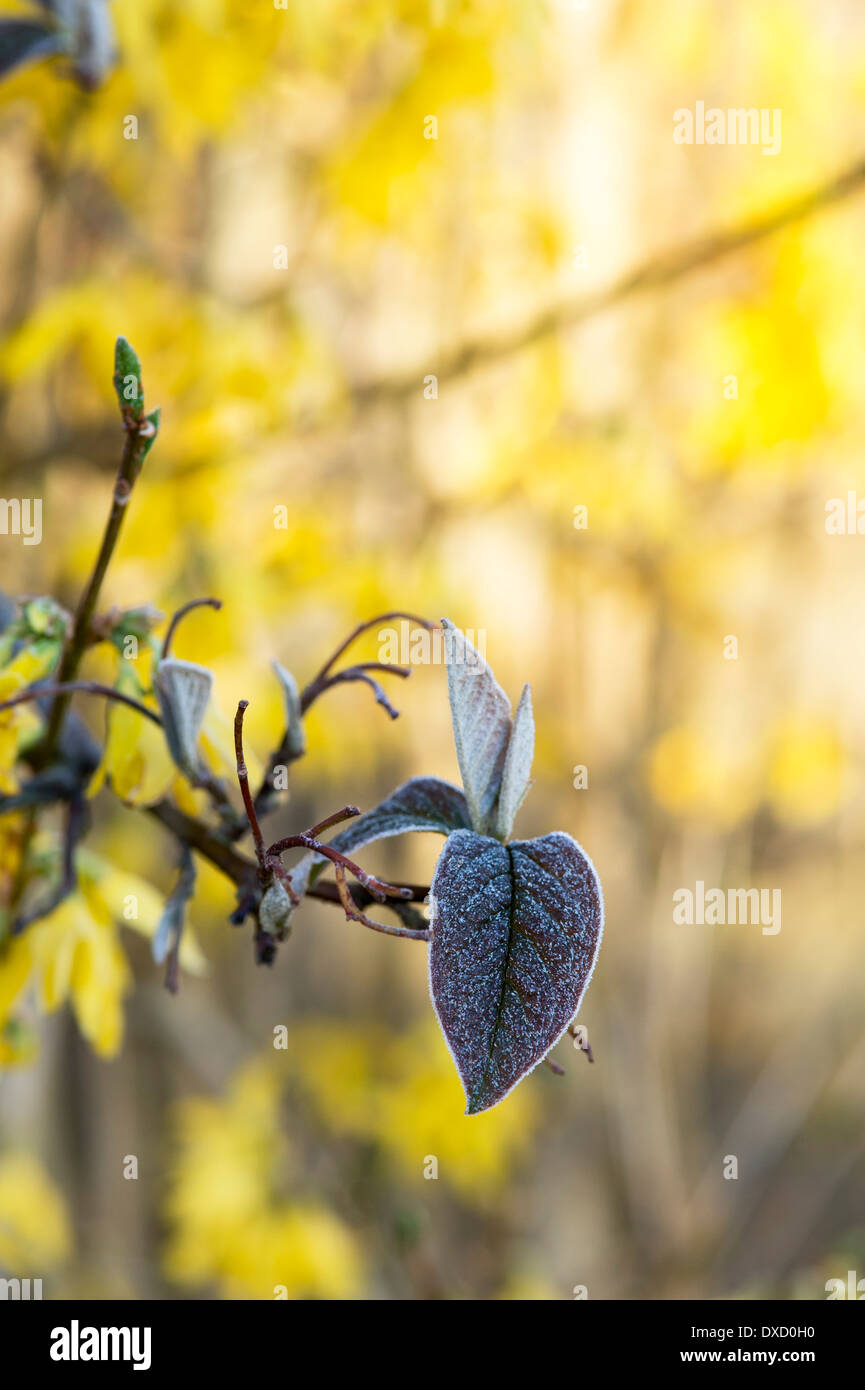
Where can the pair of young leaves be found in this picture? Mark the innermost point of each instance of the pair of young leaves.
(515, 926)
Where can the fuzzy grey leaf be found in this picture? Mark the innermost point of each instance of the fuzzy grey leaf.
(183, 691)
(515, 933)
(302, 872)
(481, 717)
(518, 767)
(22, 41)
(294, 741)
(94, 43)
(170, 928)
(275, 911)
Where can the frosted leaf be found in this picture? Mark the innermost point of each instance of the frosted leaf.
(518, 767)
(481, 717)
(424, 803)
(183, 692)
(515, 933)
(275, 911)
(295, 738)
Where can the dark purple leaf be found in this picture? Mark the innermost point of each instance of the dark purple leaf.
(515, 932)
(424, 803)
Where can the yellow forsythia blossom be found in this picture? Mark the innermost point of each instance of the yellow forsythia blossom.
(228, 1225)
(34, 1227)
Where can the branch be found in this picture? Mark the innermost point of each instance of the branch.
(181, 614)
(408, 915)
(357, 673)
(324, 680)
(209, 844)
(243, 780)
(65, 689)
(140, 433)
(659, 271)
(318, 682)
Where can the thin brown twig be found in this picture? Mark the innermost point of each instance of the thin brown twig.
(243, 779)
(61, 689)
(347, 813)
(579, 1035)
(365, 627)
(655, 273)
(354, 914)
(181, 614)
(376, 886)
(354, 673)
(139, 434)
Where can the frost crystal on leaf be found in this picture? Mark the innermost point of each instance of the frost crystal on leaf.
(518, 767)
(183, 690)
(481, 716)
(424, 803)
(515, 933)
(295, 737)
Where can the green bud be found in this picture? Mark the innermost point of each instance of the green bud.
(43, 617)
(128, 384)
(149, 439)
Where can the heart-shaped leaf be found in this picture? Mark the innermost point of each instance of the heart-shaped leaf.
(515, 933)
(481, 717)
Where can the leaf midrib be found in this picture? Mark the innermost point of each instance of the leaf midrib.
(501, 1004)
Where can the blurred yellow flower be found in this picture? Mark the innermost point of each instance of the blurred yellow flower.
(75, 953)
(694, 774)
(34, 1228)
(404, 1093)
(136, 760)
(420, 1116)
(33, 662)
(228, 1224)
(807, 766)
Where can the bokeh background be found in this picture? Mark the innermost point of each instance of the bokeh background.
(292, 258)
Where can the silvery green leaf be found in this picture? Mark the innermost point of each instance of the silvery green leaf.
(275, 910)
(92, 30)
(22, 41)
(515, 934)
(481, 717)
(169, 929)
(183, 691)
(294, 742)
(518, 767)
(167, 937)
(302, 872)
